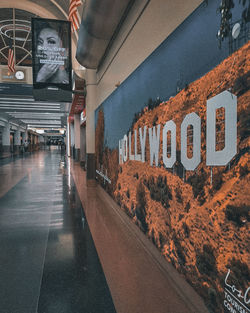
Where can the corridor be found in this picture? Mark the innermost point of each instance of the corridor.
(48, 261)
(124, 156)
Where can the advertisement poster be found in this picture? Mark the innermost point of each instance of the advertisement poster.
(180, 168)
(51, 53)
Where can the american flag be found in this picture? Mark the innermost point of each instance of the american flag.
(11, 62)
(74, 15)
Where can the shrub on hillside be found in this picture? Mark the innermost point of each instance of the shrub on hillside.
(140, 210)
(197, 182)
(136, 175)
(179, 250)
(178, 195)
(206, 261)
(187, 207)
(217, 181)
(159, 190)
(243, 170)
(186, 229)
(238, 215)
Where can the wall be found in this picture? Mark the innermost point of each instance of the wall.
(28, 75)
(195, 213)
(146, 27)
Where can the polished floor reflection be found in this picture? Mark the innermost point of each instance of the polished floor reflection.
(48, 262)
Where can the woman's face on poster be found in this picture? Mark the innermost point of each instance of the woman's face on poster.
(49, 43)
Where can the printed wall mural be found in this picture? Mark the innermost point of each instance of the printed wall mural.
(181, 172)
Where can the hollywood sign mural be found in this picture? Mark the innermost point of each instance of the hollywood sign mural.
(197, 213)
(225, 100)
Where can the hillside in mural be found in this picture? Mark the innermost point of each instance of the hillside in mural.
(199, 220)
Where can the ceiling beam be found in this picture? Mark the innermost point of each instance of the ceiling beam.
(9, 111)
(28, 119)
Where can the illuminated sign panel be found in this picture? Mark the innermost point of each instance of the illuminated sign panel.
(51, 56)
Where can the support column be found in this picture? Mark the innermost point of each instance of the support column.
(31, 143)
(72, 140)
(17, 140)
(77, 136)
(25, 136)
(83, 146)
(41, 143)
(68, 143)
(6, 138)
(26, 140)
(90, 123)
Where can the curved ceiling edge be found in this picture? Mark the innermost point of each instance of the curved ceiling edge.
(30, 7)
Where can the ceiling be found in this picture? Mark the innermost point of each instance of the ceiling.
(33, 113)
(15, 26)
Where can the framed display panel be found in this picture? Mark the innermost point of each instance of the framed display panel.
(51, 54)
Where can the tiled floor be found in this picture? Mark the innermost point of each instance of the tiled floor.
(139, 278)
(48, 262)
(54, 253)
